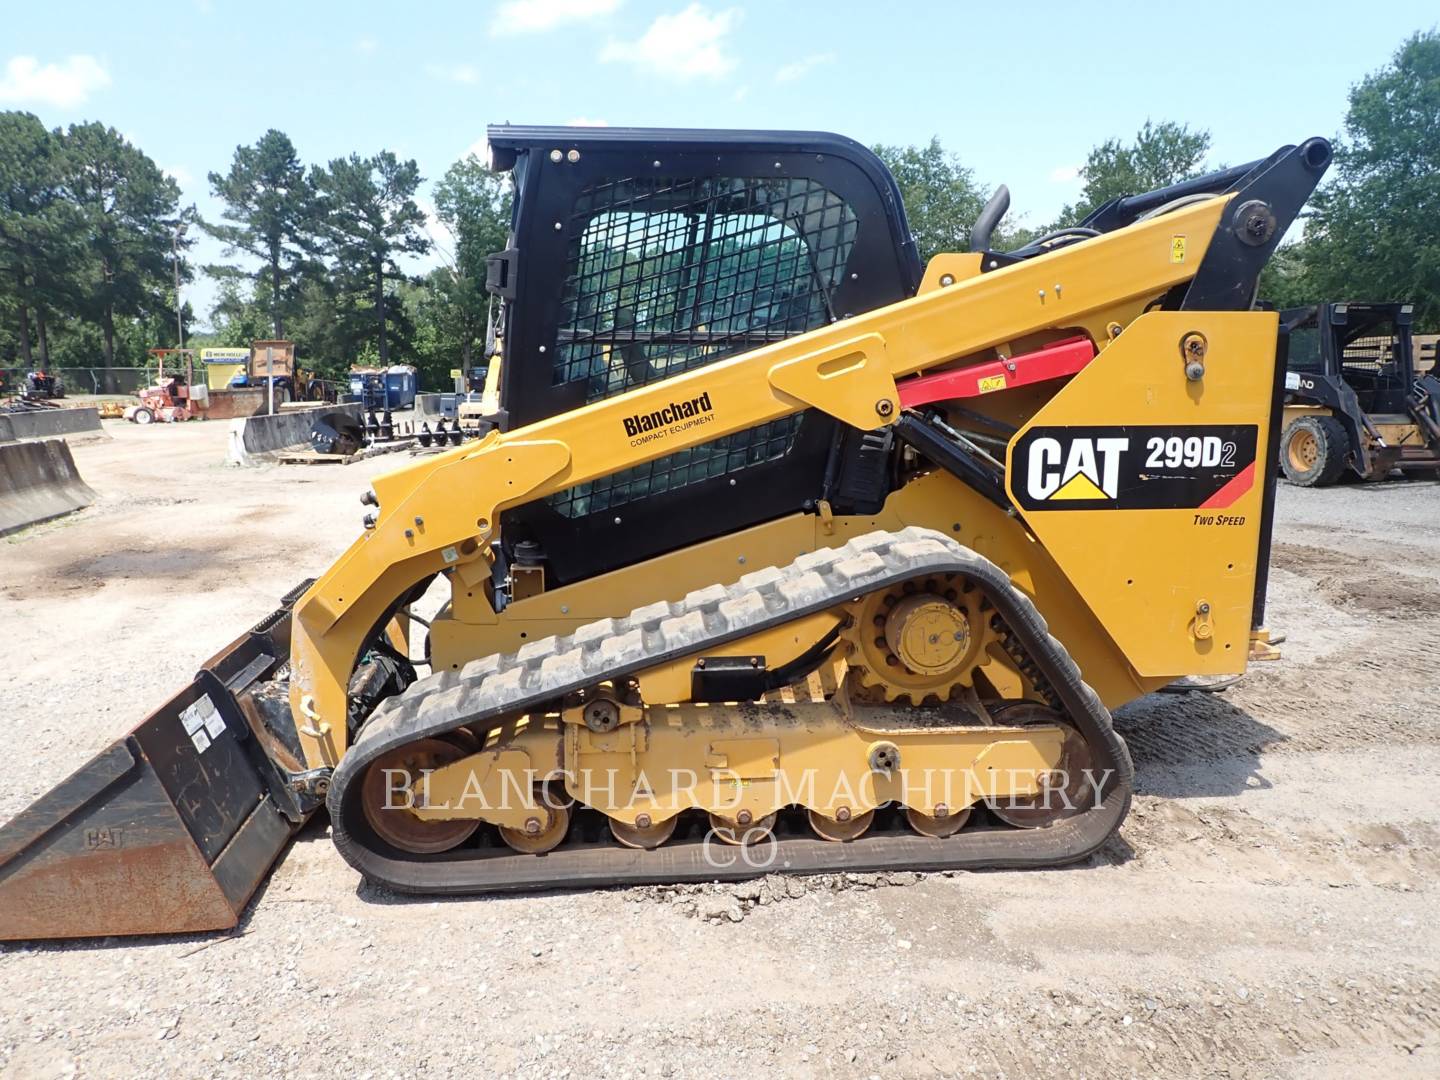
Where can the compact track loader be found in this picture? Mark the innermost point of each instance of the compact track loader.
(785, 553)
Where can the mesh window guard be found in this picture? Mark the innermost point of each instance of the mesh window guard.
(1375, 352)
(665, 275)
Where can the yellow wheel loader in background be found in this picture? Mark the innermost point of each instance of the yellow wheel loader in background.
(785, 554)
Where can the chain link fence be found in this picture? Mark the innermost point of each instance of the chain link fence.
(83, 380)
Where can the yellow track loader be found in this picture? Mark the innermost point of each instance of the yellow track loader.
(784, 553)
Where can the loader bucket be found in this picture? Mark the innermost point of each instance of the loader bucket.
(172, 827)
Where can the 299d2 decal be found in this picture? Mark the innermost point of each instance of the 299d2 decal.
(1200, 467)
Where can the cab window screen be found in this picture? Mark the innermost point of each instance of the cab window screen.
(665, 275)
(1371, 351)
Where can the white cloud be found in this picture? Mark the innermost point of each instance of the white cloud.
(366, 46)
(686, 45)
(179, 174)
(480, 148)
(537, 16)
(800, 68)
(585, 121)
(465, 74)
(1064, 174)
(63, 85)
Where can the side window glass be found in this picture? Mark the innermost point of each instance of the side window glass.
(1304, 352)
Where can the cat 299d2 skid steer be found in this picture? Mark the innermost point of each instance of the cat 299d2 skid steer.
(783, 553)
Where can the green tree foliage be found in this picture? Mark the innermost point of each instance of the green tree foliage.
(88, 229)
(1375, 230)
(130, 211)
(1162, 154)
(238, 318)
(941, 197)
(270, 206)
(473, 204)
(370, 218)
(38, 230)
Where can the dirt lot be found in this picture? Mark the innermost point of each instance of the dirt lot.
(1268, 910)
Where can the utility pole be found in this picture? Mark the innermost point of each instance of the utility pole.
(179, 308)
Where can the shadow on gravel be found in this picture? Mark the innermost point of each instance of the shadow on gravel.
(1194, 745)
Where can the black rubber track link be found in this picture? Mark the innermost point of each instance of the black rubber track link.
(542, 671)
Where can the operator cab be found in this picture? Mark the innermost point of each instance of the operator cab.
(1368, 346)
(629, 264)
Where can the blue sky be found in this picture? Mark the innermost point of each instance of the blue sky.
(1020, 91)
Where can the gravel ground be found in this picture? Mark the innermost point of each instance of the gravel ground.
(1267, 909)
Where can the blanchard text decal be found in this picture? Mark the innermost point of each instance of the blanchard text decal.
(673, 418)
(1133, 467)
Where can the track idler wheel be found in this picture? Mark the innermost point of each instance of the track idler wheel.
(384, 799)
(852, 827)
(1066, 792)
(742, 832)
(937, 825)
(643, 834)
(544, 829)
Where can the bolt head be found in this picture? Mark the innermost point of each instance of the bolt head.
(884, 407)
(941, 810)
(532, 826)
(843, 814)
(744, 817)
(642, 821)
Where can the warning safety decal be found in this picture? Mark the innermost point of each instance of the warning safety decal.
(203, 723)
(1133, 467)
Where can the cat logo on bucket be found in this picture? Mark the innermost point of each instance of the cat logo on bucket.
(1087, 469)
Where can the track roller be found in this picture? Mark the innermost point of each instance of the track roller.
(742, 832)
(643, 834)
(851, 828)
(546, 828)
(936, 826)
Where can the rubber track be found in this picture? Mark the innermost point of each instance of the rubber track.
(542, 671)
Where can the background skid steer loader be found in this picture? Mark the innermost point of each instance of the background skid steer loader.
(1358, 398)
(720, 347)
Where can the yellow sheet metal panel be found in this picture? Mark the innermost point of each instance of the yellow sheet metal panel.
(1145, 486)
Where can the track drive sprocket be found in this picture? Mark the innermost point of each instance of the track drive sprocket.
(918, 641)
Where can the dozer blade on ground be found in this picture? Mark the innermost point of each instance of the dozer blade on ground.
(172, 827)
